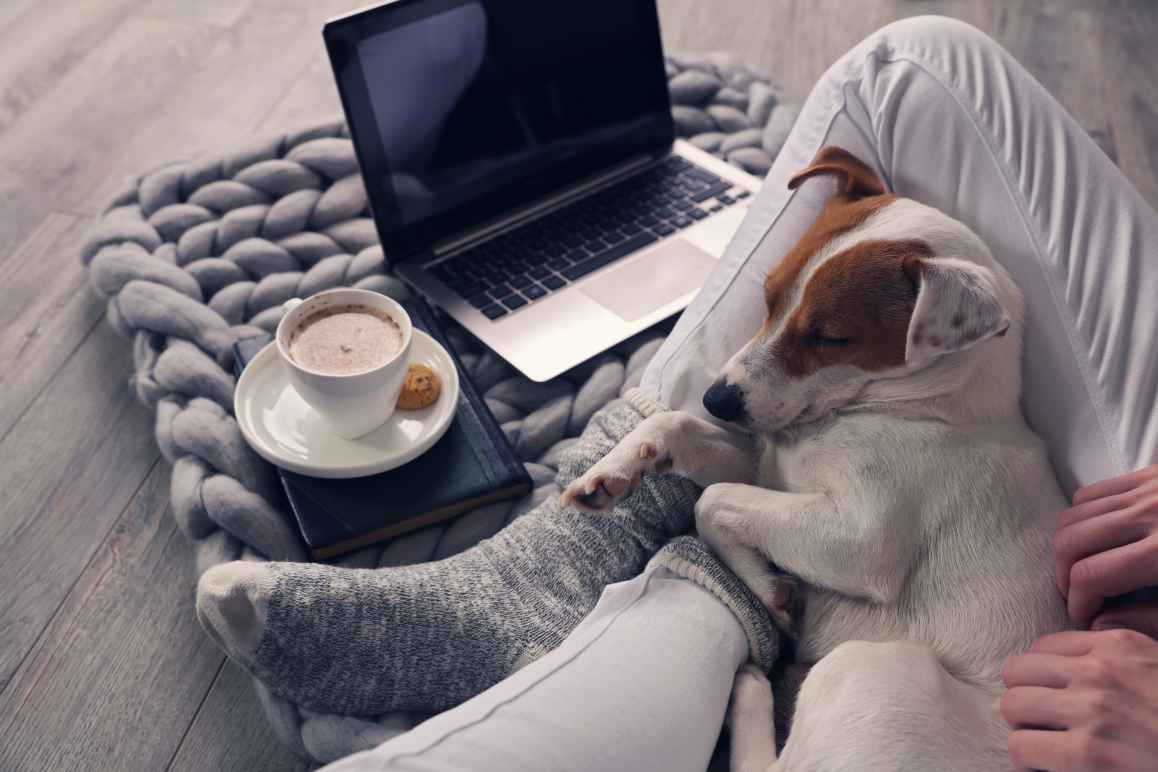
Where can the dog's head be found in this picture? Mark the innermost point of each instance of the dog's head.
(879, 287)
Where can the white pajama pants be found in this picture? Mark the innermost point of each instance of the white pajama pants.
(948, 118)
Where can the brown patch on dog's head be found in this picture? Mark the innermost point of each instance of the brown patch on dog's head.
(862, 194)
(855, 309)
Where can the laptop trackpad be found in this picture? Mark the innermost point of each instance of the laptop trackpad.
(637, 288)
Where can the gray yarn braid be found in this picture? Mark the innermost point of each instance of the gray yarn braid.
(193, 256)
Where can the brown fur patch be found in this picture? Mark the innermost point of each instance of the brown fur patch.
(866, 293)
(839, 216)
(863, 294)
(859, 195)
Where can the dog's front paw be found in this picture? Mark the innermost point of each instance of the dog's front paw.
(612, 477)
(779, 594)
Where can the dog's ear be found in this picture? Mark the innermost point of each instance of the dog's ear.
(957, 307)
(856, 178)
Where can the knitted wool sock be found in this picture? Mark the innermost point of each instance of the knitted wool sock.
(690, 558)
(429, 636)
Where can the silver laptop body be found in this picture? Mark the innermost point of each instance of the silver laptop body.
(545, 274)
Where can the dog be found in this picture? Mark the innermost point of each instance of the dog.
(890, 506)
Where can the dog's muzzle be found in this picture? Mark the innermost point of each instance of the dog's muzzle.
(724, 400)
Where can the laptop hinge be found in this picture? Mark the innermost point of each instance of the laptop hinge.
(547, 204)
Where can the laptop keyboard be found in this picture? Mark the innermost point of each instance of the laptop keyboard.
(522, 266)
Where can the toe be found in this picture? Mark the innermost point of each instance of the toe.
(615, 487)
(232, 599)
(596, 500)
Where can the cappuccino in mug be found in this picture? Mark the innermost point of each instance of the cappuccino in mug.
(345, 340)
(346, 352)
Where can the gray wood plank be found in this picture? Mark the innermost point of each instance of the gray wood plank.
(41, 44)
(240, 78)
(56, 152)
(115, 680)
(792, 41)
(230, 733)
(199, 12)
(1130, 91)
(311, 98)
(12, 10)
(210, 94)
(68, 468)
(46, 310)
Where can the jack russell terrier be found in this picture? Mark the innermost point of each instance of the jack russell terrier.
(892, 480)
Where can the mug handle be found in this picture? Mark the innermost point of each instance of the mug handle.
(290, 305)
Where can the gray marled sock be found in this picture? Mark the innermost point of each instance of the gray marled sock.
(429, 636)
(690, 558)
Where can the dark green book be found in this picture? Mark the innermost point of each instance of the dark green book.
(473, 464)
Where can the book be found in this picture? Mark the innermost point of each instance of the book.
(471, 465)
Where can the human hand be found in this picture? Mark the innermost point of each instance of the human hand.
(1083, 700)
(1107, 545)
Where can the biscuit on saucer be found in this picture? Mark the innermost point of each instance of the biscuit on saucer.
(420, 389)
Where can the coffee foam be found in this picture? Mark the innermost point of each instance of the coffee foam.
(344, 339)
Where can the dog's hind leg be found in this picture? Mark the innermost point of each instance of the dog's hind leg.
(892, 707)
(753, 746)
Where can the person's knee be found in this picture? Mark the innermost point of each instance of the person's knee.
(942, 28)
(934, 32)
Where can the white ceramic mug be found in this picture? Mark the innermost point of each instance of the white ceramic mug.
(356, 404)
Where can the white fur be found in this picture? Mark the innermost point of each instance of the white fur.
(914, 507)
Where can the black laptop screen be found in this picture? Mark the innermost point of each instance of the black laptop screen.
(463, 110)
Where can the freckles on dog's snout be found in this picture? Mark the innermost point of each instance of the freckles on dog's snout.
(724, 400)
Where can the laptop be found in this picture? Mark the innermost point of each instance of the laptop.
(523, 172)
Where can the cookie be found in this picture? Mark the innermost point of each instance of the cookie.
(420, 389)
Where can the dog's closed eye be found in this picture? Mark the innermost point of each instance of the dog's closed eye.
(818, 338)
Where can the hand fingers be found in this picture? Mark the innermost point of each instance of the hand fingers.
(1039, 708)
(1071, 643)
(1136, 611)
(1038, 749)
(1115, 572)
(1083, 605)
(1048, 670)
(1094, 508)
(1113, 486)
(1089, 537)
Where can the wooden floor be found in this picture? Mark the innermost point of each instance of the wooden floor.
(102, 665)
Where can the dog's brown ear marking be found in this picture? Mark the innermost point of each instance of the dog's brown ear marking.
(857, 179)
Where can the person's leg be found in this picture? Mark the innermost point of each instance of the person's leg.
(425, 637)
(947, 117)
(642, 683)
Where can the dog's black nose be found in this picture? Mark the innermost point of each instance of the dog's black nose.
(724, 400)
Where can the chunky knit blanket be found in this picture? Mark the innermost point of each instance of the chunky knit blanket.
(194, 255)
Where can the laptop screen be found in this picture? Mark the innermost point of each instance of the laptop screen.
(461, 110)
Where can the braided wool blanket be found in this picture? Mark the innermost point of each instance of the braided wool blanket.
(195, 255)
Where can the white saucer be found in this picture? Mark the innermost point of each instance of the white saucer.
(284, 430)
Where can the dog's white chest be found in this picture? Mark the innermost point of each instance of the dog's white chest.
(794, 463)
